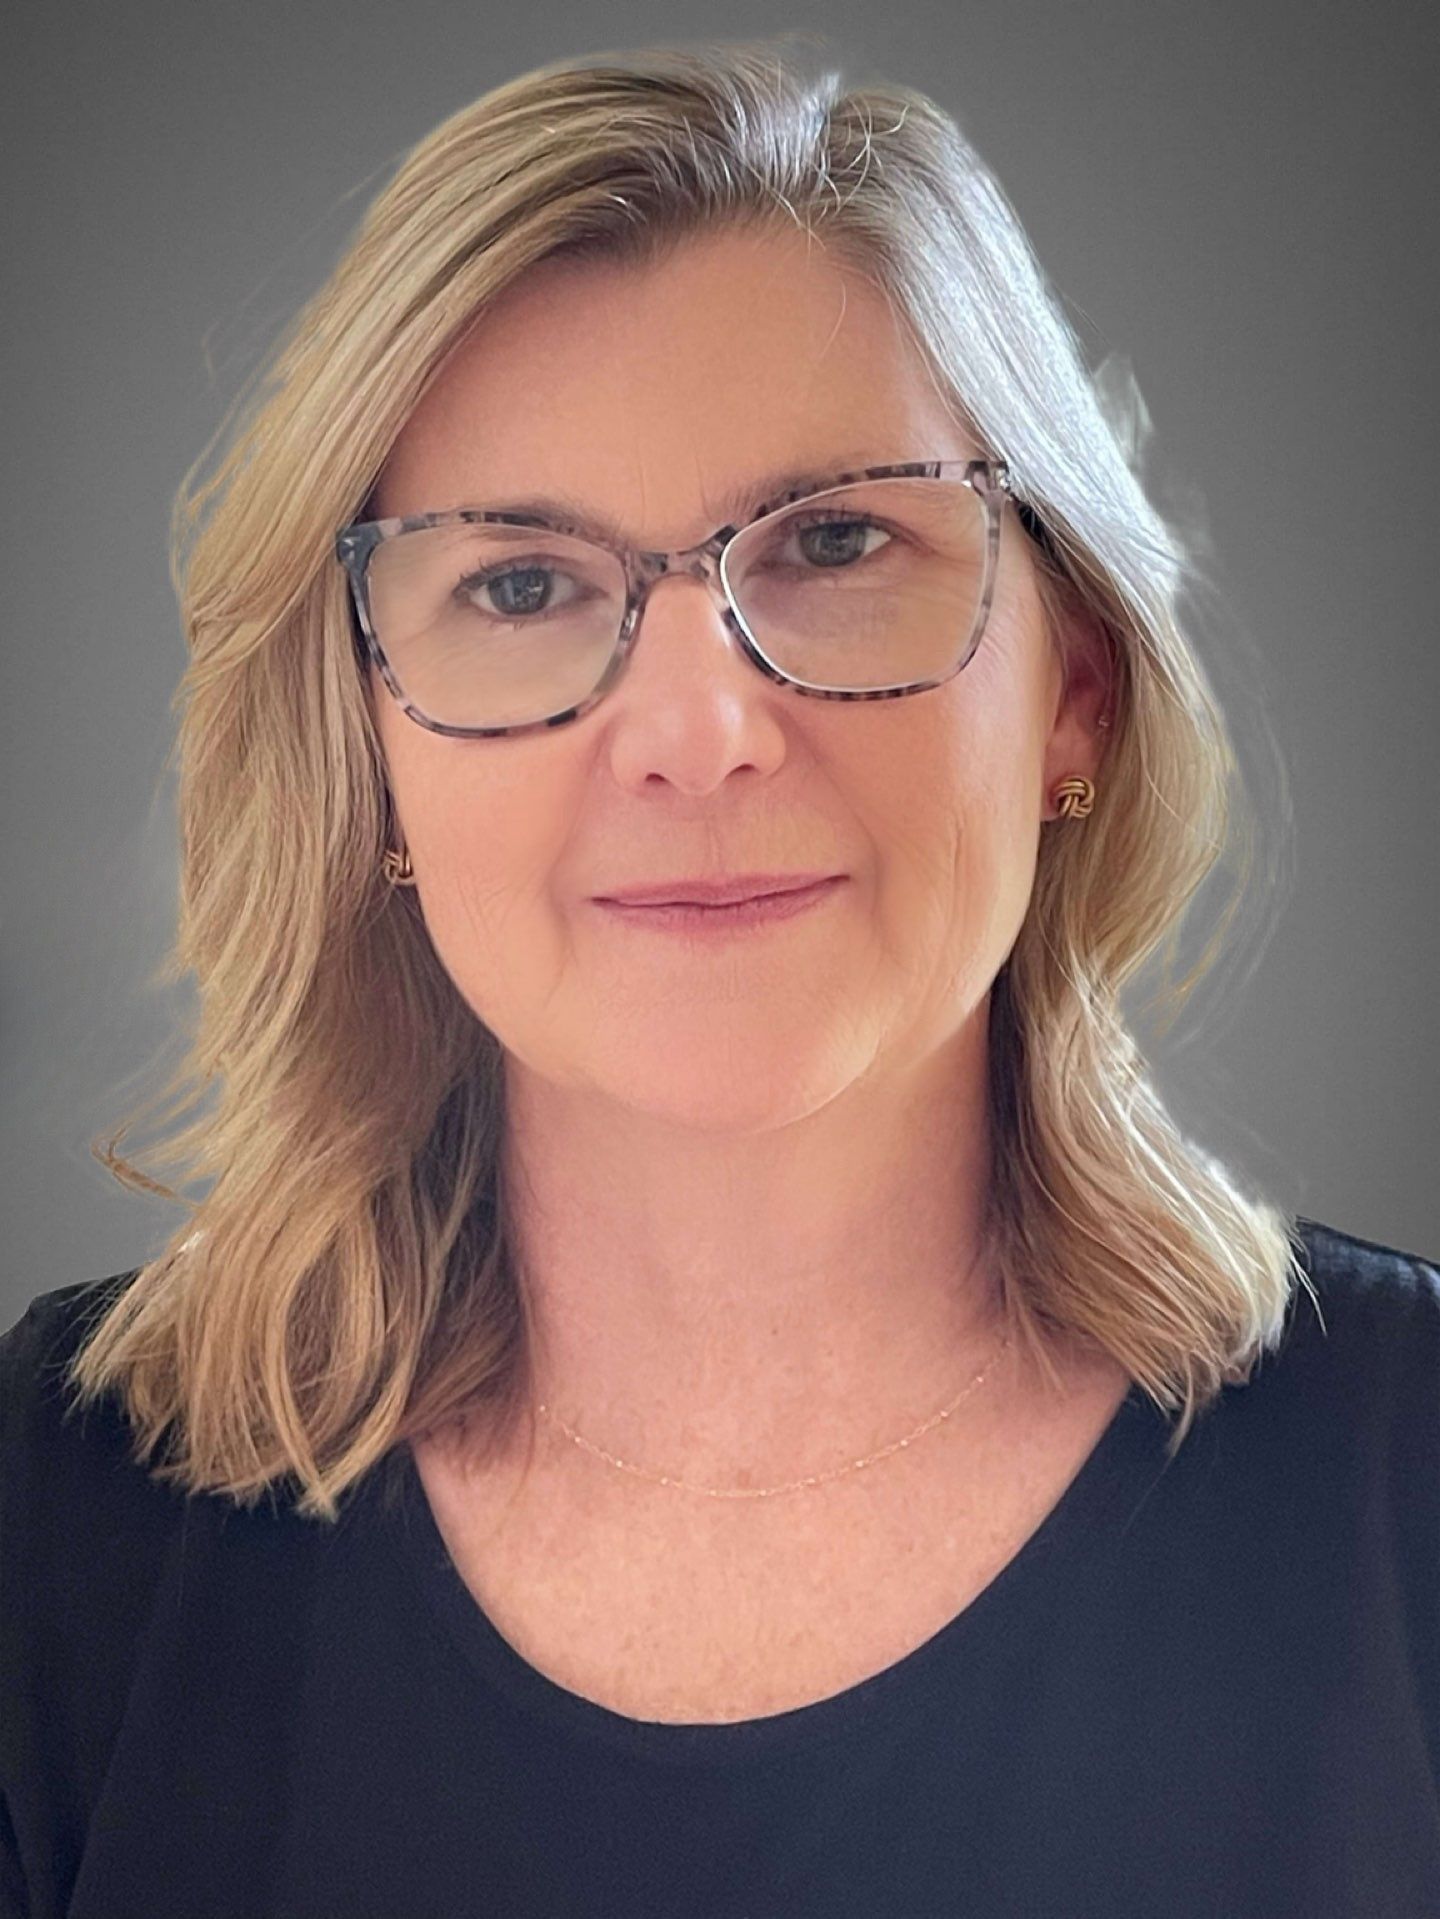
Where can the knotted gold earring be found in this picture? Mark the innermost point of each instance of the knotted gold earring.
(1075, 797)
(397, 868)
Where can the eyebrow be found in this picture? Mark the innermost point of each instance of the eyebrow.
(736, 505)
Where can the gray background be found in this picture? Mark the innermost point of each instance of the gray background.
(1239, 199)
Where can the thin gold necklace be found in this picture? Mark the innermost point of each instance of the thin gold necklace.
(794, 1485)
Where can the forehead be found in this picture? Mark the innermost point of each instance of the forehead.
(655, 392)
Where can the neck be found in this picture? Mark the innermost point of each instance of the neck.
(743, 1309)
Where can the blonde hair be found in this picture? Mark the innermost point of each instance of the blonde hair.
(347, 1281)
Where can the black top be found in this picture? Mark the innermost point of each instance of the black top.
(1208, 1688)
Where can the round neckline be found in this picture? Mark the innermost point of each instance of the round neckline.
(1063, 1534)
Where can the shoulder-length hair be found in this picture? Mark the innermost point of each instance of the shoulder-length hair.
(348, 1280)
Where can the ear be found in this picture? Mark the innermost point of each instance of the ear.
(1077, 742)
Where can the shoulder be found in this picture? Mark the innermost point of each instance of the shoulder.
(73, 1495)
(1359, 1418)
(1368, 1307)
(1348, 1398)
(35, 1354)
(1366, 1270)
(87, 1535)
(56, 1319)
(86, 1532)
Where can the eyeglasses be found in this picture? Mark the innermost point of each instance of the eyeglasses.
(865, 586)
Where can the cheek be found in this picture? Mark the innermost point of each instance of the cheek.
(486, 852)
(960, 768)
(951, 799)
(491, 860)
(495, 931)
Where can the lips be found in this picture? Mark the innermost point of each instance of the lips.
(721, 892)
(703, 924)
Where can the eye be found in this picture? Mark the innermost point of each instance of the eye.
(518, 588)
(833, 538)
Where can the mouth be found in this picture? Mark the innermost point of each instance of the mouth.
(718, 892)
(724, 918)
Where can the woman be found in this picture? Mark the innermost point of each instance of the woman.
(742, 1408)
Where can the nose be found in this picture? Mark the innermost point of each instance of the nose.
(702, 577)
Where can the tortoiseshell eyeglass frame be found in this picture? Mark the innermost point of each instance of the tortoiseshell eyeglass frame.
(355, 544)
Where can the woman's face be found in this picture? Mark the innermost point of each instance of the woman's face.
(651, 394)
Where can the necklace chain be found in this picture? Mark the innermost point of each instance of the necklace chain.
(794, 1485)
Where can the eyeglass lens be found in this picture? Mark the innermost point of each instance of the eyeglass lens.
(864, 587)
